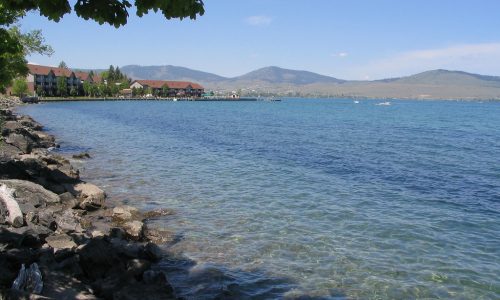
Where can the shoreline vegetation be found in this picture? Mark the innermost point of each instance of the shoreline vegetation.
(84, 246)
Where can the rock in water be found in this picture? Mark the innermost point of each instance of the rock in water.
(89, 195)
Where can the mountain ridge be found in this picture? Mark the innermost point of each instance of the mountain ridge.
(432, 84)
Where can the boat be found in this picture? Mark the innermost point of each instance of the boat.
(174, 99)
(387, 103)
(356, 101)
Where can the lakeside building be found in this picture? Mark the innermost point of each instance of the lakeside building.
(175, 88)
(45, 78)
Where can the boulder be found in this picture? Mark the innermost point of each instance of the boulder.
(27, 121)
(26, 192)
(61, 241)
(89, 195)
(97, 258)
(157, 235)
(160, 212)
(134, 229)
(125, 213)
(68, 222)
(83, 155)
(23, 143)
(11, 127)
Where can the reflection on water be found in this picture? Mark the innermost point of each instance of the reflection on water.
(309, 198)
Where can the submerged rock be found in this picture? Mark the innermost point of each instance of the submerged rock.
(90, 196)
(134, 229)
(125, 213)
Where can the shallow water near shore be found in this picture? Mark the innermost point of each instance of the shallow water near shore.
(305, 197)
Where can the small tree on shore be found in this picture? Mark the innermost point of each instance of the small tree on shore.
(40, 91)
(86, 88)
(164, 91)
(20, 87)
(134, 91)
(62, 86)
(73, 92)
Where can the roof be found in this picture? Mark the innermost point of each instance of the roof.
(158, 84)
(45, 70)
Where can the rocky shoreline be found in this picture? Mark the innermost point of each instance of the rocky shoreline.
(51, 219)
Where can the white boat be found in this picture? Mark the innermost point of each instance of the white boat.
(175, 99)
(384, 103)
(356, 101)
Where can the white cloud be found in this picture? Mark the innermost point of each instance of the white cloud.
(340, 54)
(477, 58)
(258, 20)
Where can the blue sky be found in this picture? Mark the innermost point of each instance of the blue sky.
(353, 39)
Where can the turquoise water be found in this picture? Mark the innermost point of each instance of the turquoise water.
(310, 199)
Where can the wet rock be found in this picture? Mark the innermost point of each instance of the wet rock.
(26, 192)
(83, 155)
(43, 140)
(136, 267)
(62, 173)
(61, 241)
(157, 235)
(89, 195)
(152, 252)
(134, 229)
(125, 213)
(161, 212)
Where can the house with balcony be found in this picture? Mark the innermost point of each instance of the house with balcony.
(174, 88)
(44, 79)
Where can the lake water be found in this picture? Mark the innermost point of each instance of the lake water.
(305, 198)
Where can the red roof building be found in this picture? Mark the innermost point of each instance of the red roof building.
(175, 88)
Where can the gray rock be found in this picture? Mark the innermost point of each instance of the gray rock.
(68, 222)
(23, 143)
(89, 195)
(157, 235)
(61, 241)
(125, 213)
(26, 192)
(134, 229)
(160, 212)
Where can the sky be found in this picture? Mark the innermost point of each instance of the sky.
(355, 39)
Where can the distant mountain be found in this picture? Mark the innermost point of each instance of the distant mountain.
(278, 75)
(169, 73)
(435, 84)
(446, 77)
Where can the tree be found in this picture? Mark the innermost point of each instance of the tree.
(63, 65)
(113, 12)
(87, 88)
(14, 46)
(40, 91)
(164, 91)
(73, 91)
(62, 86)
(111, 74)
(20, 87)
(134, 91)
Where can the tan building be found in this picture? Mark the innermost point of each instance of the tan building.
(175, 88)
